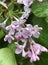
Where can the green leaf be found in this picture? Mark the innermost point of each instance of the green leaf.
(43, 39)
(27, 62)
(11, 7)
(12, 47)
(1, 34)
(46, 19)
(7, 57)
(1, 9)
(1, 19)
(40, 9)
(43, 59)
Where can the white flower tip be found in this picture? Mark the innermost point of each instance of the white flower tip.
(5, 21)
(4, 39)
(16, 43)
(44, 49)
(40, 0)
(47, 50)
(15, 18)
(41, 28)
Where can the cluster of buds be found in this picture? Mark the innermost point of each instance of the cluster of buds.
(19, 31)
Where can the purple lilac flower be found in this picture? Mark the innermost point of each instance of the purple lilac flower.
(18, 21)
(26, 12)
(8, 38)
(35, 50)
(2, 25)
(25, 2)
(11, 29)
(32, 56)
(20, 49)
(18, 35)
(23, 32)
(15, 25)
(34, 30)
(26, 33)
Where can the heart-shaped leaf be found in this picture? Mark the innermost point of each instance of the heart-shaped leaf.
(7, 57)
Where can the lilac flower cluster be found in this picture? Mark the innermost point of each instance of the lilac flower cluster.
(24, 33)
(19, 31)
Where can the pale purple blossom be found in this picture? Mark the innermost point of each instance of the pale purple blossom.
(18, 35)
(26, 33)
(3, 24)
(15, 25)
(9, 38)
(11, 29)
(25, 2)
(26, 12)
(19, 28)
(22, 34)
(19, 21)
(35, 30)
(32, 55)
(20, 49)
(35, 50)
